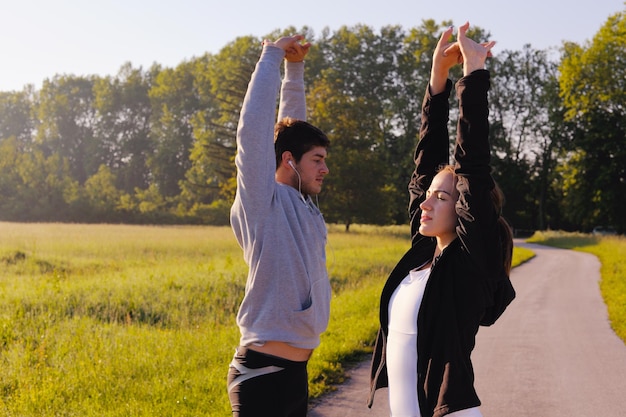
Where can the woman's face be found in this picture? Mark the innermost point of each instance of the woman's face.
(438, 217)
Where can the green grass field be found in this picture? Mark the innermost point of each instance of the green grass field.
(116, 320)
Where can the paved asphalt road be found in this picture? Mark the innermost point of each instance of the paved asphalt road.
(552, 353)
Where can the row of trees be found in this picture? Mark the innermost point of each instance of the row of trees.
(157, 145)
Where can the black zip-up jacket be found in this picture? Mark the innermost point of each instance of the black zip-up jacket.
(468, 285)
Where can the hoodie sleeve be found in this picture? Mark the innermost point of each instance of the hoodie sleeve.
(292, 93)
(255, 160)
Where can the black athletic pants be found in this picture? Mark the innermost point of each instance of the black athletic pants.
(265, 385)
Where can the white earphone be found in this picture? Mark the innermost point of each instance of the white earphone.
(293, 166)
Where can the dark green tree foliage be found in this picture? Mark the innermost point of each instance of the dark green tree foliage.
(67, 116)
(34, 186)
(174, 101)
(369, 98)
(15, 117)
(158, 145)
(222, 81)
(521, 132)
(123, 125)
(593, 90)
(350, 103)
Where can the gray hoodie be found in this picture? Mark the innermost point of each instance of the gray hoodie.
(287, 295)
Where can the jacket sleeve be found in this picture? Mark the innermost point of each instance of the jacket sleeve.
(431, 152)
(478, 217)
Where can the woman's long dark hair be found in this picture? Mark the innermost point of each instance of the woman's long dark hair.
(505, 232)
(504, 229)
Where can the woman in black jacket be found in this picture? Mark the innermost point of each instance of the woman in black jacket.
(455, 276)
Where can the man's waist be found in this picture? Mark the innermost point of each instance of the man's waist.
(282, 350)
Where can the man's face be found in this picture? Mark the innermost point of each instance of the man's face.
(312, 168)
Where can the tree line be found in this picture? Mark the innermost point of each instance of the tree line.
(157, 145)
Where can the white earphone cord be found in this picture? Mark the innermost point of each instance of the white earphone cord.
(317, 203)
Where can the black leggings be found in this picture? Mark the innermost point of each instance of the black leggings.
(265, 385)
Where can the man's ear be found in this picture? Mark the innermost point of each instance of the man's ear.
(287, 157)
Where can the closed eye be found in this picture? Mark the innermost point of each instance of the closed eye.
(439, 194)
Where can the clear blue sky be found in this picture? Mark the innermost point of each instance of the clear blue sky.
(42, 38)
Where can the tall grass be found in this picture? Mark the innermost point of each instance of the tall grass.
(611, 252)
(116, 320)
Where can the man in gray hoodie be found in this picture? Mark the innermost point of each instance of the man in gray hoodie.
(283, 235)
